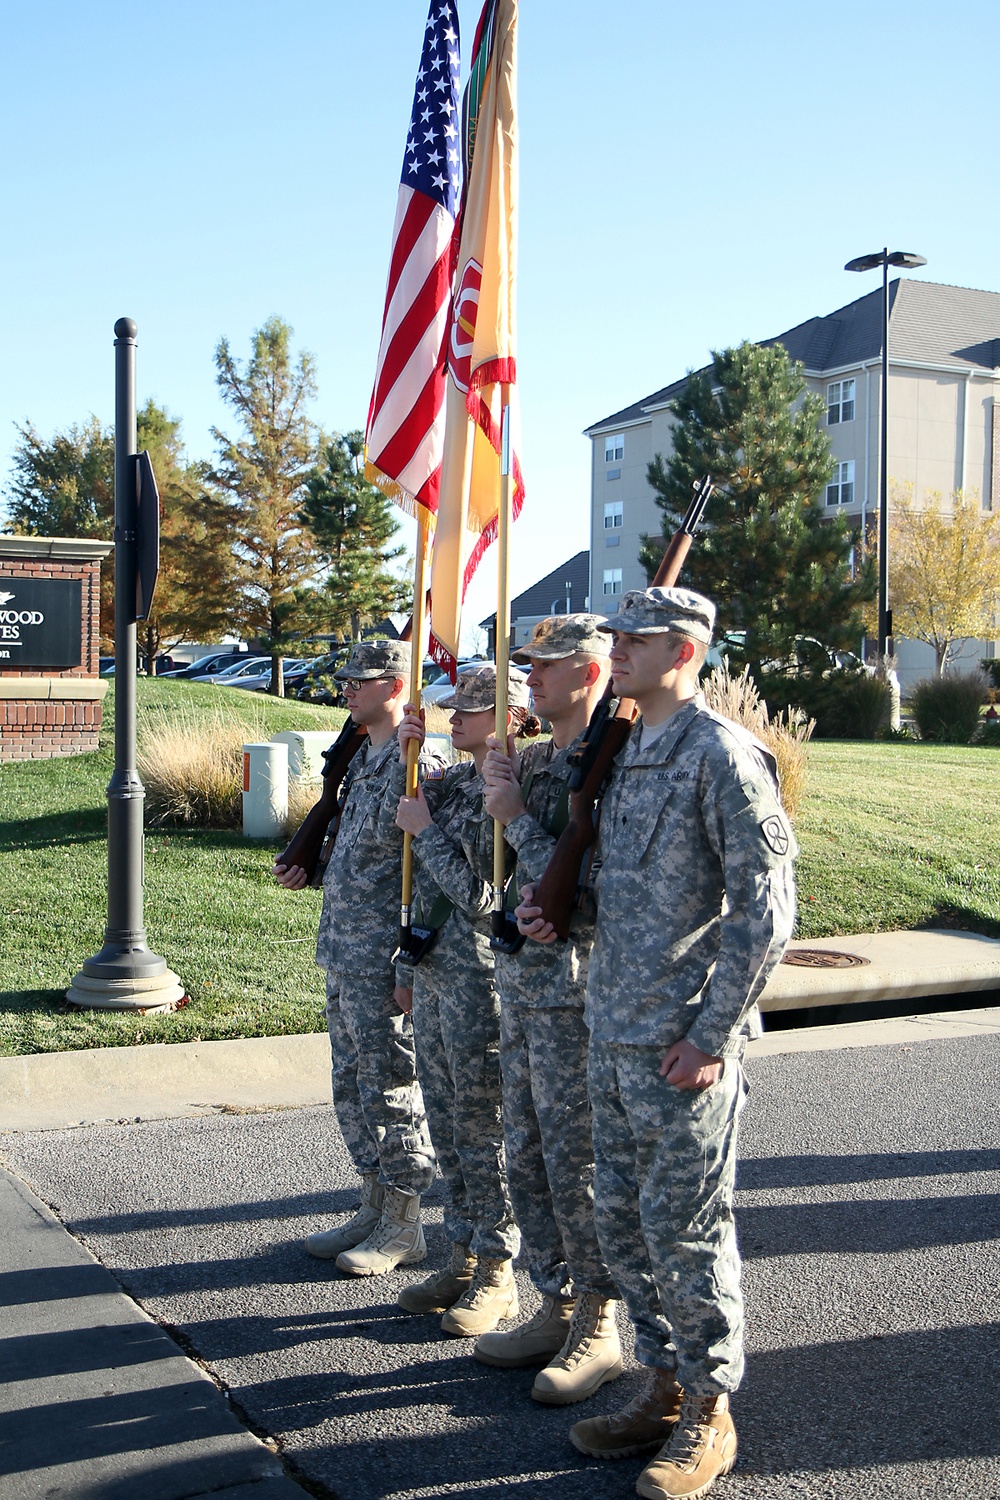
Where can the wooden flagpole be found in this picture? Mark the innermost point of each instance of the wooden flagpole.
(418, 646)
(502, 656)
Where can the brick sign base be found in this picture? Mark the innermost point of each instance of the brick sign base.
(46, 712)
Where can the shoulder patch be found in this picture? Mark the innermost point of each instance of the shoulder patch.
(776, 835)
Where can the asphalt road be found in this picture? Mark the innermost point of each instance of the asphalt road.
(869, 1213)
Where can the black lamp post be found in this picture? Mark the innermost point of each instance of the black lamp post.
(868, 263)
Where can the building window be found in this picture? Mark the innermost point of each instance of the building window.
(613, 515)
(612, 580)
(614, 448)
(840, 402)
(840, 490)
(613, 540)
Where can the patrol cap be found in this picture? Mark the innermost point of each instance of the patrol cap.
(370, 659)
(476, 690)
(563, 635)
(654, 611)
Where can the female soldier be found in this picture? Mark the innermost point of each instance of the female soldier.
(456, 1010)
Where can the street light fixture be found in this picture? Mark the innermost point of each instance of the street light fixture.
(909, 261)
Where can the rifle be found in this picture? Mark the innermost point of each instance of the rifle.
(312, 843)
(610, 725)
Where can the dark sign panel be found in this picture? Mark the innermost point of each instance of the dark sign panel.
(40, 622)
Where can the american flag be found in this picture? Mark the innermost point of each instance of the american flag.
(405, 435)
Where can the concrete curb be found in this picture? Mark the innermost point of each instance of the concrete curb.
(56, 1090)
(60, 1090)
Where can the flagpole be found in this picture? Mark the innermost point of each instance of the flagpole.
(502, 654)
(418, 645)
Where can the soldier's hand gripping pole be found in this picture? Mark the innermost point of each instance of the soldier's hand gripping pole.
(504, 936)
(406, 936)
(609, 728)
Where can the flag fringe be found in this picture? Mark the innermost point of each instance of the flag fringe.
(395, 492)
(439, 652)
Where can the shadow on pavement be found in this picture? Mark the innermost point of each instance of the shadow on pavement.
(883, 1226)
(812, 1171)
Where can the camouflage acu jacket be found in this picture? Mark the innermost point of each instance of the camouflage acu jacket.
(695, 890)
(359, 923)
(556, 975)
(445, 865)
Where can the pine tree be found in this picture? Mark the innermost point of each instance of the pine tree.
(354, 524)
(776, 563)
(264, 473)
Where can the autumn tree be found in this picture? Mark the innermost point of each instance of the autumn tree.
(777, 563)
(192, 600)
(64, 486)
(354, 525)
(264, 472)
(944, 570)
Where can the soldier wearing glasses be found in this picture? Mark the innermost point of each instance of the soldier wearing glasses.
(375, 1091)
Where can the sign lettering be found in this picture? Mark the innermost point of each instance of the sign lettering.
(41, 621)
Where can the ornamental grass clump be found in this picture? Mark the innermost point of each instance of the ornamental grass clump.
(786, 735)
(946, 709)
(192, 768)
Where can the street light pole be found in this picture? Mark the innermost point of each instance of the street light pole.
(868, 263)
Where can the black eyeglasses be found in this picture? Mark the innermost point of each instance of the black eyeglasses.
(357, 683)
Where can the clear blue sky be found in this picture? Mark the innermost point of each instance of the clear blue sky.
(690, 176)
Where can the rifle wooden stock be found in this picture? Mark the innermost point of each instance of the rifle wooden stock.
(307, 842)
(607, 733)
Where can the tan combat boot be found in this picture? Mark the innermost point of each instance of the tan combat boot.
(440, 1291)
(590, 1357)
(396, 1240)
(641, 1427)
(534, 1343)
(491, 1297)
(327, 1244)
(702, 1446)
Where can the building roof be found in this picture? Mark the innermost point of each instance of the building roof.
(548, 595)
(954, 326)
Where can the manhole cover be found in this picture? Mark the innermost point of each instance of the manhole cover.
(823, 958)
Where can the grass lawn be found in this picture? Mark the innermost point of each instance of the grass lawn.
(242, 946)
(892, 836)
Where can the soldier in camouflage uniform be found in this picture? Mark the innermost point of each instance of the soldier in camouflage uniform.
(696, 903)
(375, 1092)
(543, 1047)
(456, 1011)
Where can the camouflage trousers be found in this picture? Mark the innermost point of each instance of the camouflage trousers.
(550, 1153)
(666, 1167)
(456, 1028)
(375, 1090)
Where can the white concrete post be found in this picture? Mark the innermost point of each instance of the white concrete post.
(265, 790)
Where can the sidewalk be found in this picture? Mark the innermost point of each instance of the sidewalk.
(869, 1213)
(54, 1090)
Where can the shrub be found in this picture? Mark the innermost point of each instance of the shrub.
(946, 709)
(991, 666)
(848, 703)
(786, 734)
(192, 768)
(989, 734)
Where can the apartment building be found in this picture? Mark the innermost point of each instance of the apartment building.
(943, 427)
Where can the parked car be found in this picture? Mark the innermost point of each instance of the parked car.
(441, 687)
(205, 665)
(260, 682)
(247, 666)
